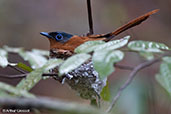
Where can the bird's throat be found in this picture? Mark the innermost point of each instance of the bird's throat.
(60, 53)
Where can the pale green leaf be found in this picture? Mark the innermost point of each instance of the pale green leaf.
(163, 83)
(88, 46)
(35, 76)
(40, 52)
(104, 60)
(3, 58)
(52, 63)
(115, 44)
(98, 45)
(167, 59)
(73, 62)
(31, 80)
(15, 91)
(164, 78)
(147, 46)
(35, 60)
(4, 94)
(13, 49)
(147, 55)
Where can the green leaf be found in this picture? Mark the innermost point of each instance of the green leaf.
(162, 82)
(167, 59)
(52, 63)
(147, 55)
(103, 61)
(88, 46)
(15, 91)
(73, 62)
(35, 60)
(164, 78)
(3, 58)
(115, 44)
(4, 94)
(31, 80)
(13, 49)
(24, 67)
(147, 46)
(105, 93)
(35, 76)
(40, 52)
(98, 45)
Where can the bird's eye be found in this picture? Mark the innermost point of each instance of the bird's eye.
(59, 37)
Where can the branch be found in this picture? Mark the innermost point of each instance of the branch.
(90, 18)
(13, 76)
(50, 104)
(124, 67)
(132, 76)
(17, 69)
(25, 74)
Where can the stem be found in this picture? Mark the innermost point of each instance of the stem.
(90, 18)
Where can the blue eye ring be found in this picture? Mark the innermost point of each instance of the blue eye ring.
(59, 37)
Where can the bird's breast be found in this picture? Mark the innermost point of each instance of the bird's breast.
(60, 53)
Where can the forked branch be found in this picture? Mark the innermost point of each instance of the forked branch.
(132, 76)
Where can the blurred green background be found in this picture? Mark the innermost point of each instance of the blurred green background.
(21, 21)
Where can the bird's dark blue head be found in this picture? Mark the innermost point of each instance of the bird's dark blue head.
(58, 36)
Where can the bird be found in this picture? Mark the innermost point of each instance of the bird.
(84, 79)
(65, 42)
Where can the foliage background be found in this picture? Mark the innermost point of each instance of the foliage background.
(22, 21)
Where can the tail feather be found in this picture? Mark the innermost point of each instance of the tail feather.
(127, 26)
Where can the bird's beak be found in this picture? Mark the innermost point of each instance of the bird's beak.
(45, 34)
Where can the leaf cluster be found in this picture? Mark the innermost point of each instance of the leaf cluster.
(103, 55)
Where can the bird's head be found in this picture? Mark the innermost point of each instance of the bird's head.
(63, 41)
(60, 37)
(58, 40)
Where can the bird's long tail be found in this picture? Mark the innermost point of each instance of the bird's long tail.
(125, 27)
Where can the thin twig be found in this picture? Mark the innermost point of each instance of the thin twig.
(17, 69)
(49, 104)
(57, 77)
(24, 74)
(124, 67)
(132, 76)
(90, 18)
(13, 76)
